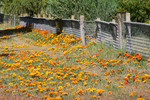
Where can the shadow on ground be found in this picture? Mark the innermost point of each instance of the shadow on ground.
(6, 54)
(8, 32)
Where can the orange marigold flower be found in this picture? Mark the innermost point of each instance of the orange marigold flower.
(140, 95)
(93, 96)
(109, 92)
(58, 98)
(98, 97)
(126, 83)
(140, 99)
(99, 91)
(131, 95)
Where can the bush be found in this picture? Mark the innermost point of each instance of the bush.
(139, 9)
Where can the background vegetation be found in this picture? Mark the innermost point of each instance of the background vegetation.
(139, 9)
(18, 7)
(105, 9)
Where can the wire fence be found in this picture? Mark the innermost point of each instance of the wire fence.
(12, 19)
(71, 26)
(90, 30)
(138, 38)
(107, 33)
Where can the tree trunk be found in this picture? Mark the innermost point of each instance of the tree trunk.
(59, 26)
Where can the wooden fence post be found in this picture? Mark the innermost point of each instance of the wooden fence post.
(82, 29)
(49, 16)
(25, 14)
(72, 17)
(44, 16)
(14, 20)
(128, 35)
(114, 34)
(72, 23)
(39, 15)
(120, 30)
(98, 30)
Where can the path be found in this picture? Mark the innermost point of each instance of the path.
(18, 43)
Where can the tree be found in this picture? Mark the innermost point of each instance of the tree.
(139, 9)
(17, 7)
(89, 8)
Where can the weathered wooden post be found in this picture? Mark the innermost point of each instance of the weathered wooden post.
(49, 16)
(121, 27)
(44, 16)
(39, 15)
(82, 29)
(25, 14)
(128, 35)
(114, 34)
(35, 15)
(72, 17)
(98, 30)
(14, 20)
(120, 30)
(72, 24)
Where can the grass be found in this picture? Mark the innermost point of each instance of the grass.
(64, 69)
(5, 25)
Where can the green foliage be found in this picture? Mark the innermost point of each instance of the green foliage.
(139, 9)
(106, 9)
(17, 7)
(91, 9)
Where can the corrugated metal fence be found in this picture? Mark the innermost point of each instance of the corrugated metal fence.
(70, 26)
(107, 33)
(138, 38)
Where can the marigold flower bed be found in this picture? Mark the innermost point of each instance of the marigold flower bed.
(66, 70)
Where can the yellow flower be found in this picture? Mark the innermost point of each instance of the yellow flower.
(11, 84)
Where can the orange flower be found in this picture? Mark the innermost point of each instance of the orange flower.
(131, 95)
(140, 99)
(65, 93)
(126, 83)
(113, 65)
(98, 97)
(139, 58)
(99, 91)
(140, 95)
(109, 92)
(80, 92)
(93, 96)
(58, 98)
(28, 94)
